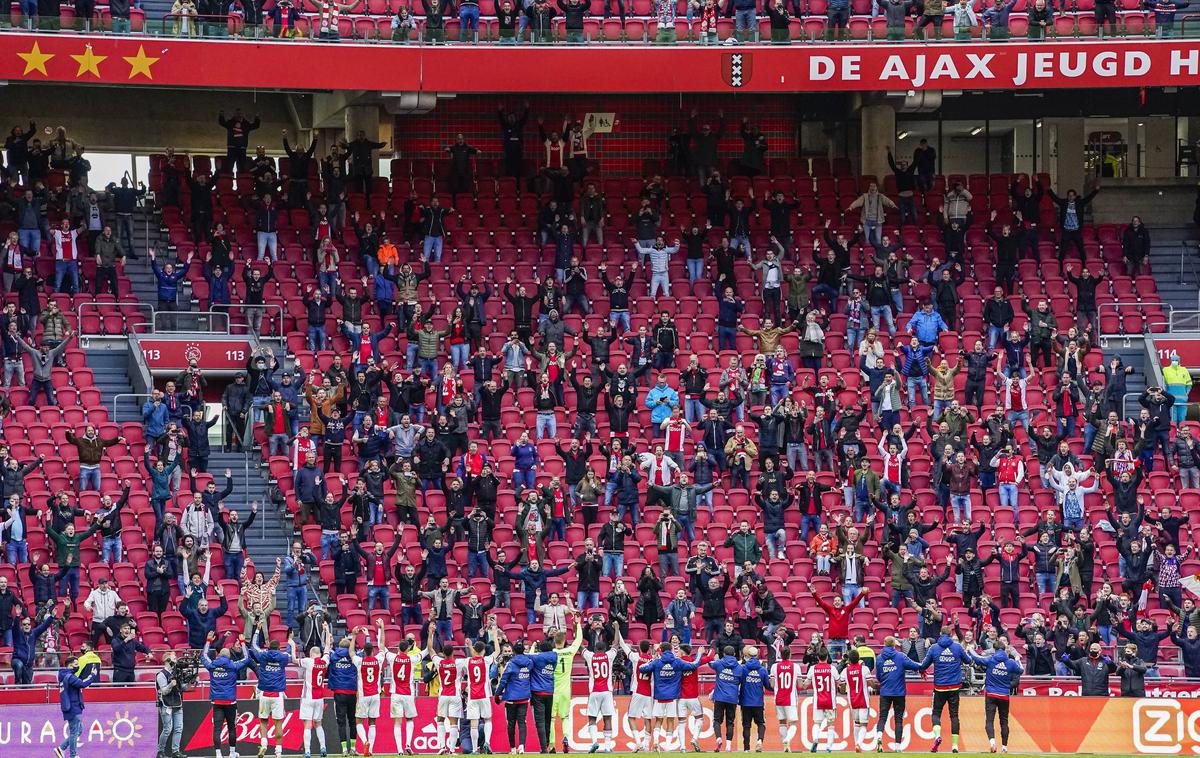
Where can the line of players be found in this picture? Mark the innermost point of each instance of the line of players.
(664, 708)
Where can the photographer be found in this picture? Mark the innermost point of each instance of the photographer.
(169, 686)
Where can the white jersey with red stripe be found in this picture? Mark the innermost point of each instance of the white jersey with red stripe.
(370, 672)
(600, 670)
(822, 679)
(479, 684)
(315, 674)
(450, 670)
(855, 677)
(785, 675)
(643, 684)
(401, 672)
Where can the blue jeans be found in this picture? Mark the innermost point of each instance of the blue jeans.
(68, 583)
(693, 410)
(460, 356)
(411, 614)
(618, 317)
(1074, 523)
(884, 312)
(66, 270)
(1067, 426)
(961, 505)
(268, 243)
(70, 745)
(234, 561)
(585, 600)
(429, 367)
(22, 672)
(1008, 497)
(631, 508)
(898, 301)
(558, 529)
(477, 564)
(328, 281)
(547, 425)
(431, 251)
(30, 239)
(830, 292)
(38, 387)
(726, 338)
(1046, 582)
(914, 383)
(468, 18)
(17, 551)
(695, 268)
(612, 564)
(170, 728)
(899, 595)
(89, 478)
(849, 592)
(297, 601)
(776, 542)
(377, 595)
(523, 478)
(740, 241)
(745, 20)
(689, 529)
(110, 551)
(316, 338)
(328, 541)
(810, 522)
(939, 407)
(444, 629)
(874, 231)
(995, 334)
(660, 281)
(854, 335)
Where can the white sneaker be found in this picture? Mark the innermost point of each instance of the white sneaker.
(781, 555)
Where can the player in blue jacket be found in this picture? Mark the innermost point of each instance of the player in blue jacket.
(514, 690)
(70, 700)
(541, 690)
(1002, 669)
(223, 674)
(272, 681)
(668, 672)
(726, 692)
(890, 668)
(755, 680)
(343, 683)
(947, 658)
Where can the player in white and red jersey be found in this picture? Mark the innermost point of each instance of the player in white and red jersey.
(785, 676)
(822, 679)
(399, 672)
(477, 671)
(449, 707)
(599, 663)
(691, 712)
(855, 679)
(314, 673)
(641, 703)
(370, 681)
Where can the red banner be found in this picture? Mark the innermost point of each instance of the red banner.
(1073, 63)
(166, 356)
(1188, 349)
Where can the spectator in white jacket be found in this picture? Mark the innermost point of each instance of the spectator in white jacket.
(102, 604)
(197, 521)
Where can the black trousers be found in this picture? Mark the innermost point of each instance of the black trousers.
(333, 457)
(974, 396)
(156, 602)
(1070, 238)
(1011, 592)
(895, 704)
(724, 713)
(1045, 350)
(541, 719)
(514, 714)
(343, 704)
(992, 706)
(105, 275)
(941, 699)
(752, 714)
(225, 715)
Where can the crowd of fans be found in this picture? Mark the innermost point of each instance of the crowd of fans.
(574, 462)
(657, 21)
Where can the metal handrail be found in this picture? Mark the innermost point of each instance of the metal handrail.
(1179, 320)
(196, 320)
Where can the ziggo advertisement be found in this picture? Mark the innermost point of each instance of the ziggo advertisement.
(1065, 724)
